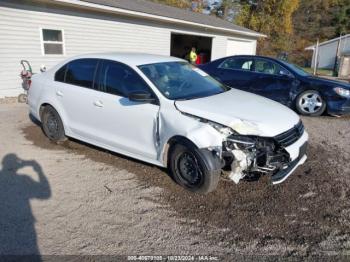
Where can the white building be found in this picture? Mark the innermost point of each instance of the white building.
(45, 32)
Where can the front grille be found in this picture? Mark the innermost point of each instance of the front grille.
(289, 137)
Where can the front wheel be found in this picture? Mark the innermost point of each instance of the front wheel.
(310, 103)
(189, 169)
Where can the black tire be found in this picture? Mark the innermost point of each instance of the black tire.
(52, 124)
(22, 98)
(200, 176)
(306, 109)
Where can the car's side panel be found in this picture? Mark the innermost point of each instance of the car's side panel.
(174, 123)
(235, 78)
(129, 126)
(272, 86)
(79, 108)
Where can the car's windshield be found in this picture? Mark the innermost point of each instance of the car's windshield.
(296, 69)
(181, 80)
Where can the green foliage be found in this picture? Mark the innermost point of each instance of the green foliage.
(342, 16)
(318, 19)
(273, 18)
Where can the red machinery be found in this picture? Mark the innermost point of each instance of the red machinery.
(26, 75)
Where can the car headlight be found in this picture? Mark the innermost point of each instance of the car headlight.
(342, 92)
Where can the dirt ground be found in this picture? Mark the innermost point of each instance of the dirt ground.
(97, 202)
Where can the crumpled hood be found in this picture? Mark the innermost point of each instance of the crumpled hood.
(246, 113)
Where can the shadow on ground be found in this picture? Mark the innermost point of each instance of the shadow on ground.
(17, 235)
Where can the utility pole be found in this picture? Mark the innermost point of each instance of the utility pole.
(316, 56)
(335, 71)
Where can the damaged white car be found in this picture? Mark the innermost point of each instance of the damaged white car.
(164, 111)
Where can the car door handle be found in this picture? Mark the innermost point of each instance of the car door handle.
(59, 93)
(98, 103)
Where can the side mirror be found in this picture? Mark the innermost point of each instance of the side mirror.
(142, 96)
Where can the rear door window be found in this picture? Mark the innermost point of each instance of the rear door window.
(118, 79)
(81, 72)
(238, 63)
(268, 67)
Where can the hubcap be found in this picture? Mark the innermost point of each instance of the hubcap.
(189, 169)
(52, 125)
(310, 103)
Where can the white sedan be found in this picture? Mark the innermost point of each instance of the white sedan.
(164, 111)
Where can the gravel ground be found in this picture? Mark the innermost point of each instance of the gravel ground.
(76, 199)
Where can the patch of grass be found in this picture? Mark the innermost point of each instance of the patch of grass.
(323, 72)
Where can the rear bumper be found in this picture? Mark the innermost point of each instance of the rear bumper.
(283, 174)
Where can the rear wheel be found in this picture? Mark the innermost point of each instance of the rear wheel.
(310, 103)
(189, 169)
(52, 124)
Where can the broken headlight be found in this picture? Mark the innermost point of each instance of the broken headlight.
(221, 128)
(218, 127)
(236, 141)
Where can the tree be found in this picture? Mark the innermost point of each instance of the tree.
(273, 18)
(229, 9)
(342, 16)
(318, 19)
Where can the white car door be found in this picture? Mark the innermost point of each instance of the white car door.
(128, 126)
(74, 91)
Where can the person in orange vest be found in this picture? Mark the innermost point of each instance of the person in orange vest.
(193, 56)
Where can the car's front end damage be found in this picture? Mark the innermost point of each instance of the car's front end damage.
(251, 156)
(252, 136)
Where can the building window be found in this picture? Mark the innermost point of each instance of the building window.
(52, 42)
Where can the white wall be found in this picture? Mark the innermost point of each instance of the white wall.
(239, 46)
(84, 32)
(219, 47)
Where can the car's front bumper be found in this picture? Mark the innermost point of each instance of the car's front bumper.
(294, 149)
(283, 174)
(338, 106)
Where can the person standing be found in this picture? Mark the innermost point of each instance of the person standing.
(193, 56)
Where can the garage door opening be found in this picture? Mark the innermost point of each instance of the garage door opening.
(181, 45)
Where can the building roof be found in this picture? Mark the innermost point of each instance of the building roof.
(169, 13)
(312, 47)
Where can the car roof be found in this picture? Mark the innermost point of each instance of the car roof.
(255, 56)
(132, 59)
(219, 60)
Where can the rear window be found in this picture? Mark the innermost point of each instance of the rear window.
(238, 63)
(81, 72)
(61, 74)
